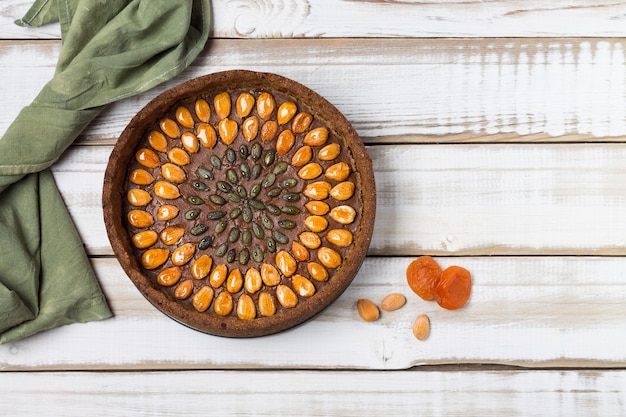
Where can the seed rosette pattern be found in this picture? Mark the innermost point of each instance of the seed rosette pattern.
(244, 203)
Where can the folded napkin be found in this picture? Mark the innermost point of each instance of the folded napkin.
(111, 49)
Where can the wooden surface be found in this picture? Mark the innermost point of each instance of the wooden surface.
(497, 132)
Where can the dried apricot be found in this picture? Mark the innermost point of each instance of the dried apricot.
(422, 275)
(454, 288)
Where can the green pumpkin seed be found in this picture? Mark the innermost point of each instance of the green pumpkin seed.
(245, 171)
(224, 187)
(241, 190)
(269, 180)
(246, 237)
(267, 222)
(220, 227)
(232, 176)
(257, 253)
(281, 237)
(269, 157)
(195, 200)
(256, 150)
(287, 224)
(257, 230)
(234, 234)
(221, 250)
(259, 205)
(234, 197)
(231, 156)
(234, 213)
(217, 199)
(216, 215)
(273, 209)
(204, 173)
(231, 255)
(281, 167)
(192, 214)
(255, 190)
(289, 183)
(243, 151)
(274, 192)
(256, 171)
(290, 210)
(205, 243)
(247, 214)
(291, 197)
(199, 229)
(215, 161)
(244, 256)
(271, 245)
(199, 185)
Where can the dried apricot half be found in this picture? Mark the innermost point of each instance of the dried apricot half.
(454, 288)
(422, 275)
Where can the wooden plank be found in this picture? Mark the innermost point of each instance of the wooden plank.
(310, 393)
(401, 90)
(377, 18)
(490, 199)
(528, 311)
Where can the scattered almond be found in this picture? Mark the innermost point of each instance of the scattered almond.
(393, 301)
(421, 327)
(367, 310)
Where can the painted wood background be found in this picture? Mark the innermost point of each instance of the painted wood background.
(497, 132)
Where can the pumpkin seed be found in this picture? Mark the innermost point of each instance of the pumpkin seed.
(243, 151)
(241, 190)
(256, 150)
(245, 171)
(281, 237)
(217, 199)
(234, 197)
(192, 214)
(246, 237)
(257, 204)
(269, 157)
(234, 234)
(269, 180)
(195, 200)
(199, 229)
(287, 224)
(274, 192)
(256, 171)
(281, 167)
(257, 230)
(255, 190)
(267, 222)
(216, 215)
(224, 187)
(204, 173)
(232, 176)
(257, 253)
(291, 197)
(290, 210)
(231, 255)
(205, 243)
(273, 209)
(244, 256)
(288, 183)
(271, 245)
(234, 213)
(215, 161)
(247, 214)
(199, 185)
(220, 227)
(221, 250)
(231, 156)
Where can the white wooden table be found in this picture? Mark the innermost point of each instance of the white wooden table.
(498, 136)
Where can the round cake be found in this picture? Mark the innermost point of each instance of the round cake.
(240, 203)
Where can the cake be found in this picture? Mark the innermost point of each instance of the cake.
(240, 203)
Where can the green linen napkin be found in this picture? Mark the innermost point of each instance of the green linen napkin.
(111, 49)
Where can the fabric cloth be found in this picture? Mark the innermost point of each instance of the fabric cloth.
(111, 49)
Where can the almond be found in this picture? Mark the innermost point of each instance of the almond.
(367, 310)
(393, 301)
(421, 327)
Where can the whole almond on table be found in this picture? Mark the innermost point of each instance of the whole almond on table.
(367, 310)
(421, 327)
(393, 301)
